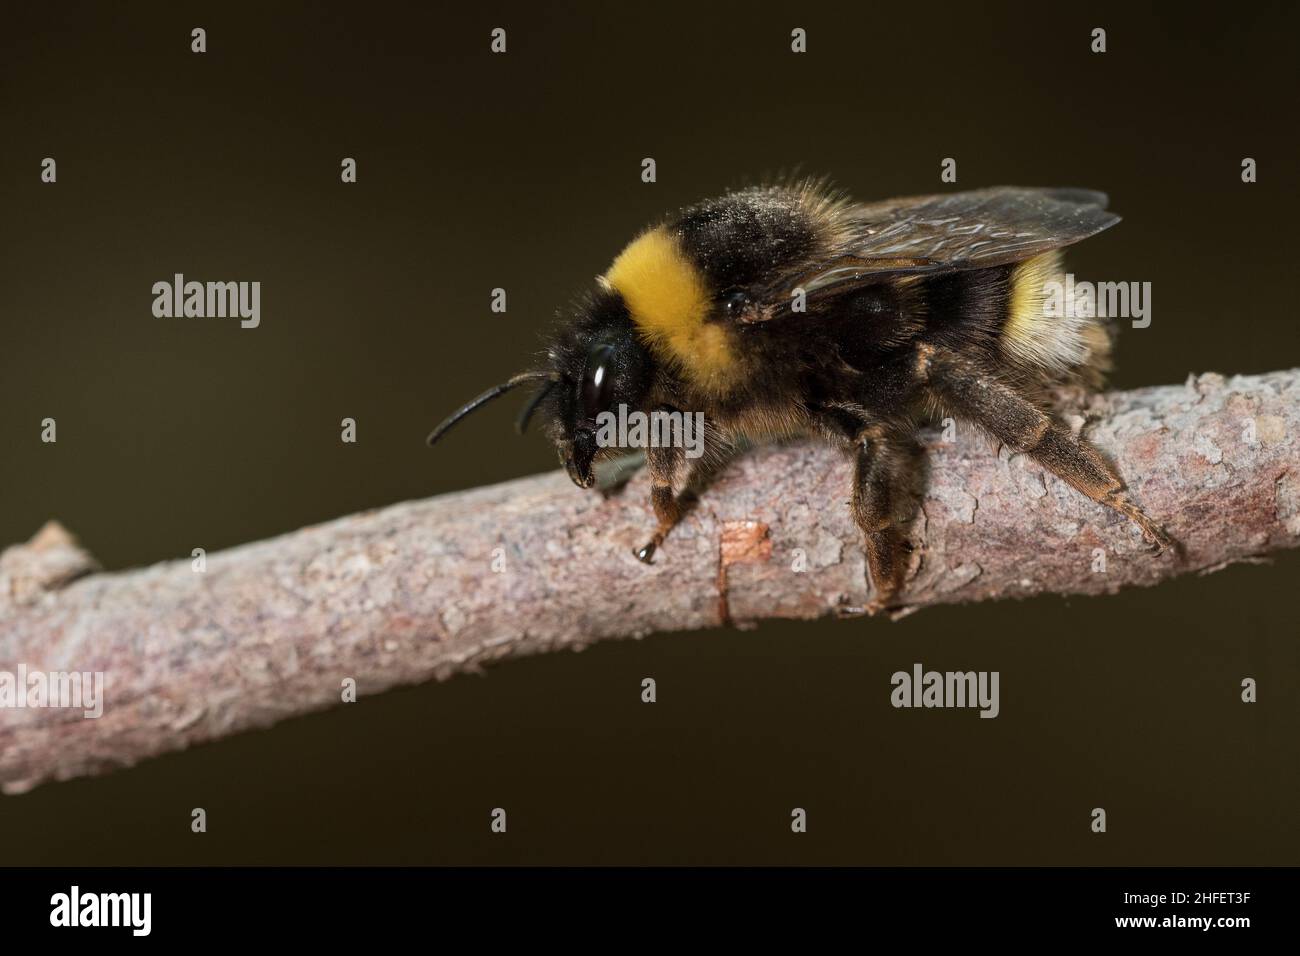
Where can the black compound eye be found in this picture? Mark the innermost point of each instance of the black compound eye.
(735, 301)
(598, 380)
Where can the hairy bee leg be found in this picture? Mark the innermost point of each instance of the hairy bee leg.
(981, 396)
(877, 488)
(664, 463)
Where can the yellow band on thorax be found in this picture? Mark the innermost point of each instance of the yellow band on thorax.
(669, 301)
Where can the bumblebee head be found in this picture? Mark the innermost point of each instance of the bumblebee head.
(594, 364)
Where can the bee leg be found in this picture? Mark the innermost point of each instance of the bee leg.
(664, 463)
(714, 454)
(975, 392)
(879, 486)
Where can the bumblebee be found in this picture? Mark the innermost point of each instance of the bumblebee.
(789, 310)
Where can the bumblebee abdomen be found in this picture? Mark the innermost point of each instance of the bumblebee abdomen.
(1044, 330)
(1014, 313)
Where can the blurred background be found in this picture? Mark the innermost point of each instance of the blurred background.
(523, 171)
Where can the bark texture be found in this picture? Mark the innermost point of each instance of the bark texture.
(426, 589)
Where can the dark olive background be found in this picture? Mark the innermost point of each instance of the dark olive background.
(522, 171)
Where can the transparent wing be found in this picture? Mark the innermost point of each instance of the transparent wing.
(951, 232)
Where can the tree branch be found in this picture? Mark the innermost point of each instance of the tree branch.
(430, 588)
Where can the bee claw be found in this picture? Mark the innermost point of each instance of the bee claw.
(1157, 539)
(1162, 543)
(886, 601)
(879, 605)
